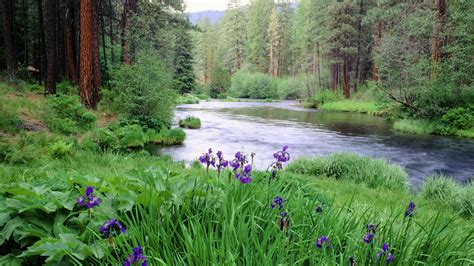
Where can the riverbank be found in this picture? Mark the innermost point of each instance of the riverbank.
(193, 206)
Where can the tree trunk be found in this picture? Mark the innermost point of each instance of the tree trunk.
(8, 14)
(319, 65)
(129, 8)
(42, 42)
(89, 54)
(334, 76)
(70, 40)
(102, 29)
(377, 44)
(346, 77)
(111, 32)
(436, 40)
(51, 47)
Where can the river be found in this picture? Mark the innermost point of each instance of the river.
(264, 128)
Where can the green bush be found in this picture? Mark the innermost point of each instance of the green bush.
(105, 139)
(326, 95)
(459, 118)
(349, 166)
(190, 122)
(131, 136)
(144, 92)
(173, 136)
(252, 85)
(202, 96)
(290, 88)
(187, 99)
(61, 149)
(67, 115)
(65, 87)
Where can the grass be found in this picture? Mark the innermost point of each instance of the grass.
(353, 106)
(190, 122)
(426, 127)
(375, 173)
(184, 216)
(187, 99)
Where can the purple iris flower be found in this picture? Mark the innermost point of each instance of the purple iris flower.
(245, 175)
(111, 228)
(384, 252)
(410, 210)
(282, 156)
(389, 258)
(208, 159)
(368, 238)
(321, 241)
(136, 258)
(277, 201)
(222, 163)
(88, 198)
(284, 221)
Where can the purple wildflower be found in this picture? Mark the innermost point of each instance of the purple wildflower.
(410, 210)
(208, 159)
(88, 198)
(321, 241)
(111, 228)
(136, 258)
(389, 258)
(222, 163)
(384, 252)
(282, 156)
(277, 201)
(368, 238)
(284, 221)
(371, 228)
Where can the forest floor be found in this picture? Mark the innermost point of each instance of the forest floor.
(186, 215)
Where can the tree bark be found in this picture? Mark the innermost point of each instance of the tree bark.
(89, 54)
(42, 42)
(377, 44)
(111, 32)
(70, 40)
(8, 14)
(129, 8)
(436, 40)
(51, 47)
(346, 77)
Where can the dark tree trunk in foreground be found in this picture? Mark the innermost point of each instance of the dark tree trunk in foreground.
(129, 8)
(8, 15)
(89, 55)
(51, 46)
(70, 42)
(42, 42)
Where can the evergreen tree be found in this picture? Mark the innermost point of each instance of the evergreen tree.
(184, 73)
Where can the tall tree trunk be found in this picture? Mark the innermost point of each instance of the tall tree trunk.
(358, 70)
(51, 47)
(42, 42)
(436, 40)
(346, 77)
(102, 29)
(111, 32)
(70, 40)
(8, 14)
(60, 39)
(319, 65)
(334, 76)
(129, 8)
(89, 55)
(377, 44)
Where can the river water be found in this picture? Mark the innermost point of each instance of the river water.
(264, 128)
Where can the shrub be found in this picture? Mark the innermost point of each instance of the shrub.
(131, 136)
(252, 85)
(202, 96)
(173, 136)
(67, 115)
(67, 88)
(458, 118)
(187, 99)
(325, 95)
(105, 139)
(220, 82)
(9, 122)
(349, 166)
(290, 88)
(61, 149)
(144, 92)
(190, 122)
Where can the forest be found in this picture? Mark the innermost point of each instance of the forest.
(314, 132)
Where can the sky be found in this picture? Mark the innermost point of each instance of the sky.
(201, 5)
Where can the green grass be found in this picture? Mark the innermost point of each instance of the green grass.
(187, 99)
(353, 106)
(185, 216)
(425, 127)
(190, 122)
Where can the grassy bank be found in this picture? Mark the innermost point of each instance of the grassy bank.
(353, 106)
(205, 218)
(426, 127)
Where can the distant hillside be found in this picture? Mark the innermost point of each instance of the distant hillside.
(213, 15)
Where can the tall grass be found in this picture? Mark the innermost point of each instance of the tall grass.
(352, 106)
(376, 173)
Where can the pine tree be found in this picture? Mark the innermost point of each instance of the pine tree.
(184, 72)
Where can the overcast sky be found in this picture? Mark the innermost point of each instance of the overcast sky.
(201, 5)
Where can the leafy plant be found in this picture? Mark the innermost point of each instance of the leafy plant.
(190, 122)
(61, 149)
(66, 114)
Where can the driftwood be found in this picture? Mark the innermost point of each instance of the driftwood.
(404, 103)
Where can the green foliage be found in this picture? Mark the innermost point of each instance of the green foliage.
(459, 118)
(443, 190)
(190, 122)
(144, 92)
(9, 121)
(66, 88)
(131, 136)
(290, 88)
(187, 99)
(376, 173)
(104, 138)
(436, 127)
(220, 81)
(252, 85)
(325, 96)
(61, 149)
(184, 72)
(173, 136)
(352, 106)
(66, 114)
